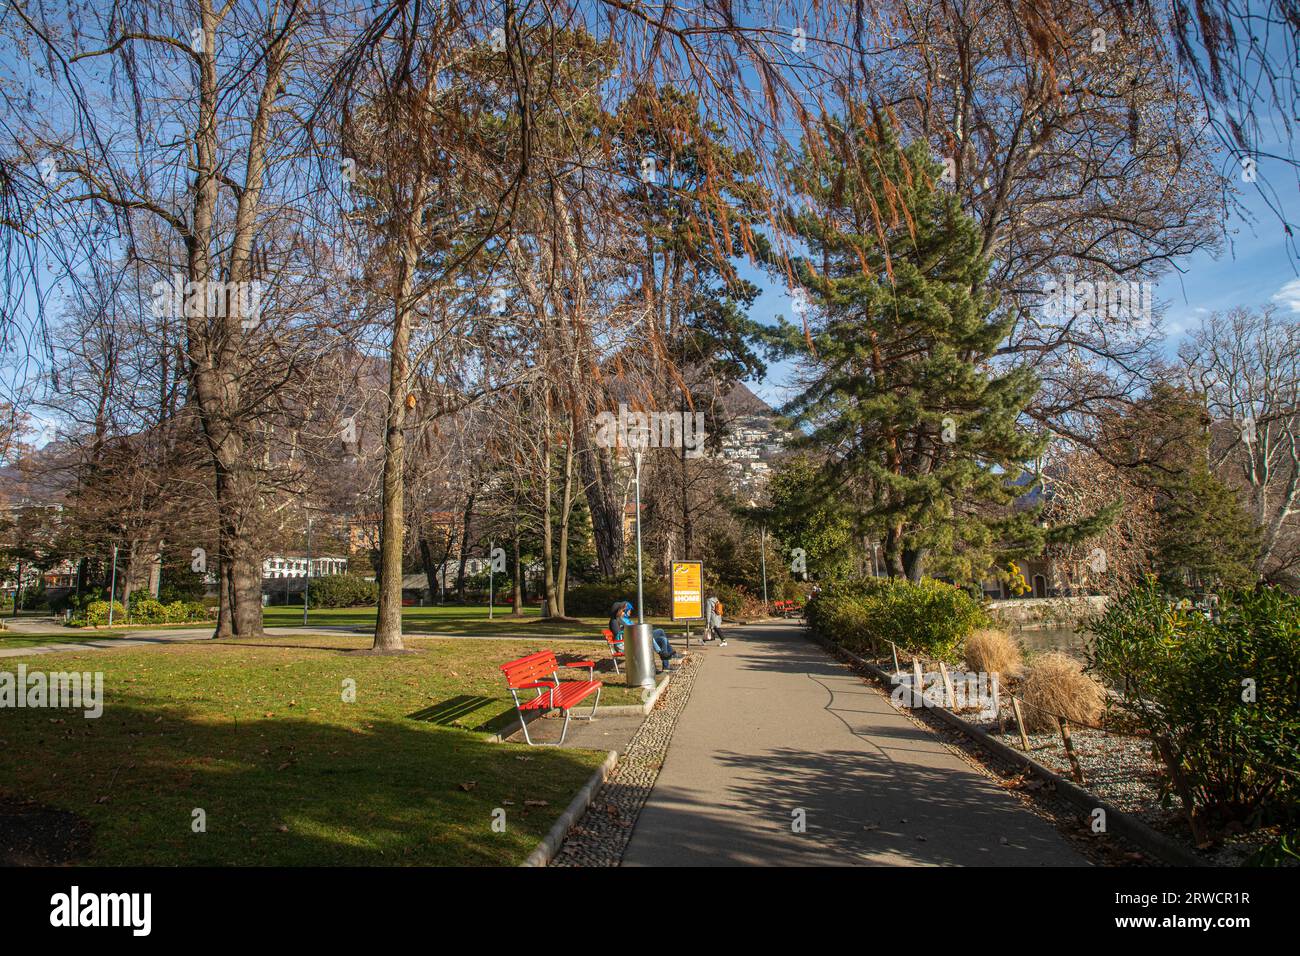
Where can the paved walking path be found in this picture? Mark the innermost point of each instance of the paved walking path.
(135, 638)
(774, 726)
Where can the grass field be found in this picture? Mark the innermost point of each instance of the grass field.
(451, 619)
(258, 736)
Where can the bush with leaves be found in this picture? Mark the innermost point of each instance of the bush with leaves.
(929, 618)
(596, 599)
(1221, 700)
(146, 610)
(95, 614)
(343, 590)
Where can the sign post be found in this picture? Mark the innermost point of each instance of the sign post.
(688, 593)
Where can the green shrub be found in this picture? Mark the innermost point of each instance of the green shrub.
(738, 603)
(146, 610)
(96, 614)
(183, 612)
(596, 599)
(343, 590)
(929, 619)
(1220, 699)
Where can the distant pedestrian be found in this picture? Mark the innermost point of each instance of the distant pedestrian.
(714, 620)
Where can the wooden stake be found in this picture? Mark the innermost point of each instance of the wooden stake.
(918, 684)
(947, 685)
(997, 704)
(1075, 766)
(1020, 722)
(894, 648)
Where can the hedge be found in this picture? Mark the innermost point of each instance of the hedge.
(930, 618)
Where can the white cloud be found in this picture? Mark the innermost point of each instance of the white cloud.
(1289, 296)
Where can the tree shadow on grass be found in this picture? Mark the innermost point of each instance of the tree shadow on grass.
(288, 791)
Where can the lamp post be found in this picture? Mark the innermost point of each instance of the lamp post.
(306, 593)
(640, 590)
(491, 577)
(112, 587)
(762, 560)
(639, 638)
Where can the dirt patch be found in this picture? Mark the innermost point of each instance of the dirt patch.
(36, 835)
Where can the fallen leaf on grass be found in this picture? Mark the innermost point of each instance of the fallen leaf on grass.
(469, 785)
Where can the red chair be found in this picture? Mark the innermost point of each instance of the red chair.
(615, 651)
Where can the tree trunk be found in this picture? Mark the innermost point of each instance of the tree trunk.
(426, 562)
(562, 576)
(519, 578)
(240, 609)
(388, 623)
(894, 552)
(914, 563)
(464, 547)
(603, 502)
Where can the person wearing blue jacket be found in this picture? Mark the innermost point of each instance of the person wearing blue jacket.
(621, 617)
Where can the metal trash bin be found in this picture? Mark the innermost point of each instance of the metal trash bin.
(638, 650)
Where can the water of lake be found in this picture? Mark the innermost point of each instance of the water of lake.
(1064, 639)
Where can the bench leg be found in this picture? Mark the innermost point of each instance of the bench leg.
(594, 705)
(523, 722)
(615, 660)
(565, 732)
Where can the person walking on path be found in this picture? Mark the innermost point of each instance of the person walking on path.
(714, 620)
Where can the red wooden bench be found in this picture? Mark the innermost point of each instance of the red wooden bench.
(615, 652)
(540, 672)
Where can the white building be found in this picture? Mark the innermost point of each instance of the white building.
(295, 566)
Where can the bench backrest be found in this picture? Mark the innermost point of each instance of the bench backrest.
(530, 669)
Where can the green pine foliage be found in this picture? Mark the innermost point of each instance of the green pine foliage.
(922, 430)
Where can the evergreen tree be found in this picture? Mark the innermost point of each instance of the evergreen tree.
(922, 432)
(1204, 537)
(801, 517)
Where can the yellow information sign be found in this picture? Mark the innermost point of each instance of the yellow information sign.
(688, 590)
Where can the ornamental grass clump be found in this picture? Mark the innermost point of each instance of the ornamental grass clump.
(991, 651)
(1055, 685)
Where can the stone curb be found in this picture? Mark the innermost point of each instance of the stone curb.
(618, 710)
(554, 838)
(1118, 821)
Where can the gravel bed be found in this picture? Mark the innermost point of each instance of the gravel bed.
(1121, 770)
(601, 836)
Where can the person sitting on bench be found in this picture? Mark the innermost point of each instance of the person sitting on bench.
(622, 617)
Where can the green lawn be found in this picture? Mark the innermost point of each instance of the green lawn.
(451, 619)
(9, 639)
(256, 733)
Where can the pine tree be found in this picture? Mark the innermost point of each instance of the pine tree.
(922, 432)
(1204, 536)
